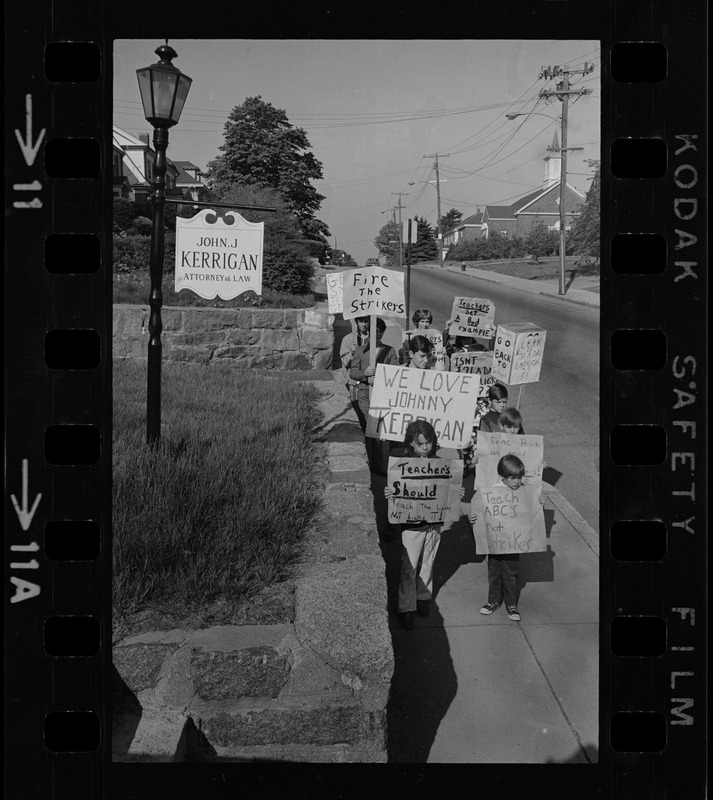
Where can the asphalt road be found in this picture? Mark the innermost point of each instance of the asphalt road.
(563, 405)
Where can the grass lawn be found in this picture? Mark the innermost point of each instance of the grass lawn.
(526, 268)
(217, 512)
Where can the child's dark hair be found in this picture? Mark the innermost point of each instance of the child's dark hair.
(510, 466)
(510, 418)
(420, 344)
(497, 392)
(420, 427)
(380, 324)
(421, 313)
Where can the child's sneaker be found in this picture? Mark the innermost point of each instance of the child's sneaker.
(513, 613)
(488, 609)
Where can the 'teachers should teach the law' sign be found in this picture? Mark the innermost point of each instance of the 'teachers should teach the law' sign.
(218, 258)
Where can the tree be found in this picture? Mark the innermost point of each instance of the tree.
(584, 237)
(340, 258)
(451, 219)
(388, 242)
(263, 148)
(424, 248)
(540, 241)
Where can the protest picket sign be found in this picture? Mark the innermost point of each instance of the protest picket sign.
(477, 363)
(373, 290)
(517, 356)
(473, 317)
(335, 292)
(402, 394)
(509, 521)
(439, 351)
(217, 258)
(423, 488)
(492, 446)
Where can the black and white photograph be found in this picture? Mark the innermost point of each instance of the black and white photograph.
(333, 259)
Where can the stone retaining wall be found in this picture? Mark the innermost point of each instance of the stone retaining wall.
(282, 339)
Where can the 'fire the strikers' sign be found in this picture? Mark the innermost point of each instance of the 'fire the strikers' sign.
(472, 316)
(218, 259)
(373, 290)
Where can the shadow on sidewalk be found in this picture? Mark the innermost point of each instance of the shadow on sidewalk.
(424, 683)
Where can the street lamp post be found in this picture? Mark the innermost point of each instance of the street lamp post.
(164, 89)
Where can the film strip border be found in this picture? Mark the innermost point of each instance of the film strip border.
(58, 433)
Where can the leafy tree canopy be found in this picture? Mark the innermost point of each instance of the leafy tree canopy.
(585, 234)
(541, 242)
(425, 247)
(451, 219)
(263, 148)
(340, 258)
(388, 242)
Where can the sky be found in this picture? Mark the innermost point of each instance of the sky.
(376, 111)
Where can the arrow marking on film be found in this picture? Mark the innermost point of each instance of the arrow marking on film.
(23, 514)
(29, 150)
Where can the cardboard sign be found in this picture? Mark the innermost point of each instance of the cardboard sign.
(218, 259)
(477, 363)
(509, 520)
(424, 488)
(438, 356)
(335, 292)
(491, 447)
(402, 394)
(373, 290)
(472, 316)
(517, 356)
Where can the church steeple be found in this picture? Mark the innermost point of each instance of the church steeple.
(553, 162)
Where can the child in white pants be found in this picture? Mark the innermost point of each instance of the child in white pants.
(419, 540)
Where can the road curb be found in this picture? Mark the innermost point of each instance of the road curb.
(581, 527)
(508, 279)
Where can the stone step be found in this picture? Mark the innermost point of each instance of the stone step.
(310, 722)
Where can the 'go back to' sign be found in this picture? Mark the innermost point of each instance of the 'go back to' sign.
(218, 259)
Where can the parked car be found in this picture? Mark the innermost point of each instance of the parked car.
(373, 262)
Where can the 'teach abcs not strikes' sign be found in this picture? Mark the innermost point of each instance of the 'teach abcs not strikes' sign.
(215, 258)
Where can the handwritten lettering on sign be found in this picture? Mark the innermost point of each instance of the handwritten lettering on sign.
(424, 488)
(438, 355)
(373, 290)
(472, 316)
(480, 364)
(509, 521)
(491, 447)
(517, 356)
(402, 394)
(335, 292)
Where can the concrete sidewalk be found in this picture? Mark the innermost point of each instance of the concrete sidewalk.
(474, 689)
(578, 291)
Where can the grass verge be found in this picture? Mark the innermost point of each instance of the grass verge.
(217, 511)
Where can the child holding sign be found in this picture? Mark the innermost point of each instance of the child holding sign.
(419, 540)
(498, 399)
(362, 374)
(502, 569)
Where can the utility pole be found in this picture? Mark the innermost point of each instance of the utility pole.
(564, 92)
(438, 202)
(401, 242)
